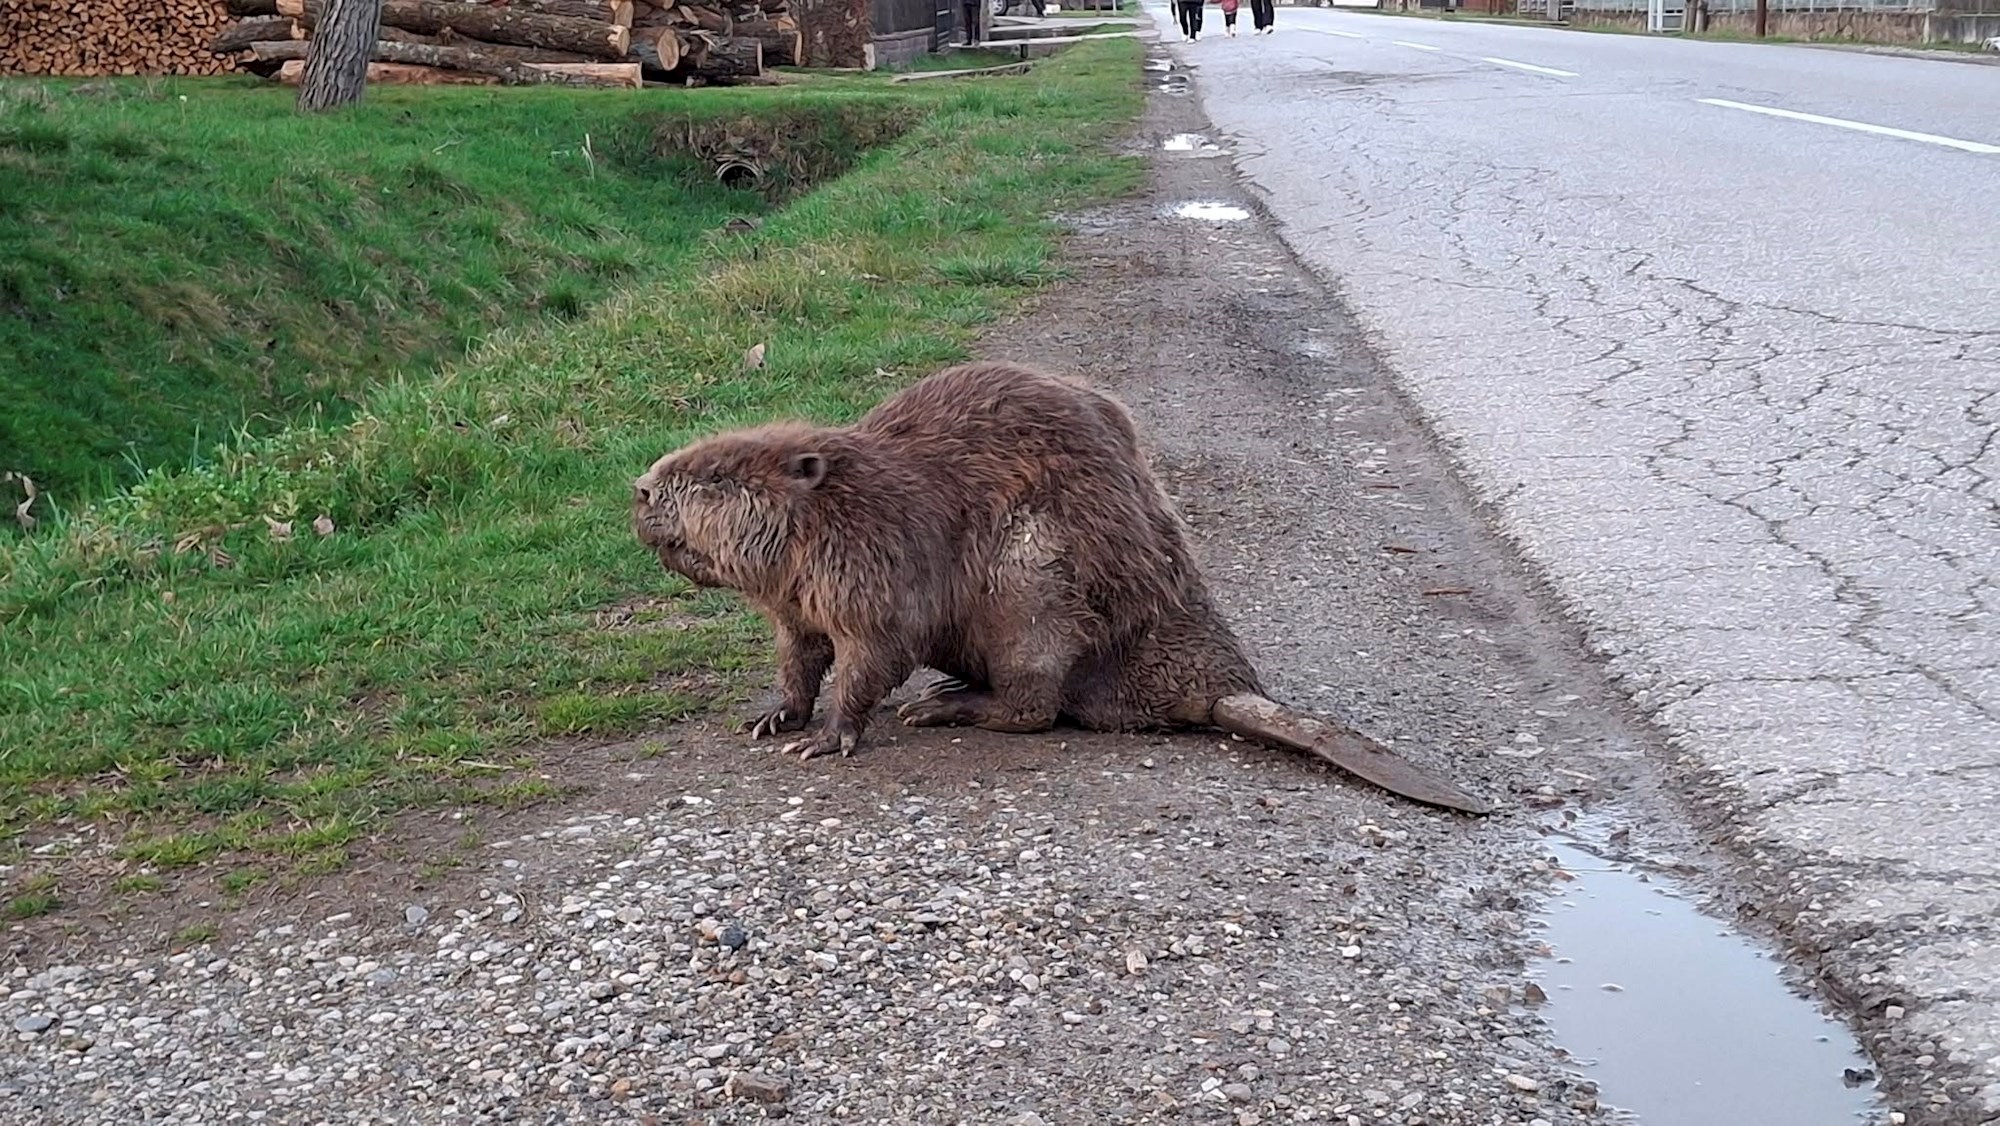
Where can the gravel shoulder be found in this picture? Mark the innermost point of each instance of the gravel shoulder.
(967, 928)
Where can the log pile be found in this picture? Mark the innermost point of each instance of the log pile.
(615, 43)
(90, 38)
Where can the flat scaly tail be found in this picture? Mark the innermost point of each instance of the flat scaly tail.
(1256, 717)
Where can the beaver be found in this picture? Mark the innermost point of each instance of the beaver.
(996, 523)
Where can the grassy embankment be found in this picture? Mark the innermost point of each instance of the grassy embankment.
(189, 683)
(181, 259)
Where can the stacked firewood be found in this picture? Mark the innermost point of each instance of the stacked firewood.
(531, 42)
(90, 38)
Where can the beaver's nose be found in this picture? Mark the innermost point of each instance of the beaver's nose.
(642, 492)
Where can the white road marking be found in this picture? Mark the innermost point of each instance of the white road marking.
(1330, 31)
(1864, 127)
(1418, 46)
(1529, 66)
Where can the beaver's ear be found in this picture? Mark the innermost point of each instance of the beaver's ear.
(807, 469)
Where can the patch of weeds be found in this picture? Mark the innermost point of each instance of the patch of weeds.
(583, 713)
(37, 896)
(138, 884)
(242, 879)
(1003, 270)
(195, 934)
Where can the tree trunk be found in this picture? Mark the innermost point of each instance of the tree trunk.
(493, 24)
(336, 68)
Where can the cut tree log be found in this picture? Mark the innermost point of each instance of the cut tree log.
(606, 41)
(260, 29)
(782, 46)
(723, 59)
(707, 19)
(397, 74)
(596, 11)
(657, 48)
(253, 7)
(610, 75)
(459, 55)
(499, 62)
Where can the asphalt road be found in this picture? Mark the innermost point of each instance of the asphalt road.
(1730, 379)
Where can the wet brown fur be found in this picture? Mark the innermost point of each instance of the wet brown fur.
(992, 522)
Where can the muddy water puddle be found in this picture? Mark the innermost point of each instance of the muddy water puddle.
(1681, 1021)
(1191, 144)
(1207, 211)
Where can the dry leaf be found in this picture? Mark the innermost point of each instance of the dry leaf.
(281, 530)
(167, 596)
(187, 543)
(219, 558)
(323, 525)
(754, 358)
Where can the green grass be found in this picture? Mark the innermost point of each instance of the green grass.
(181, 260)
(204, 686)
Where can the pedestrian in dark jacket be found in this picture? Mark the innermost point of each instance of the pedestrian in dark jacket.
(1263, 15)
(1190, 13)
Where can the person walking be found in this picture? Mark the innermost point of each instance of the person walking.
(969, 14)
(1190, 13)
(1229, 17)
(1263, 15)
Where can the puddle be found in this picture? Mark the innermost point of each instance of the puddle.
(1682, 1022)
(1194, 144)
(1159, 66)
(1174, 84)
(1208, 210)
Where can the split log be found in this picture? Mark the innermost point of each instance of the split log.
(262, 29)
(596, 11)
(609, 75)
(492, 24)
(657, 48)
(397, 74)
(76, 38)
(253, 7)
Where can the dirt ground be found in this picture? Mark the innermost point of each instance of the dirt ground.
(964, 927)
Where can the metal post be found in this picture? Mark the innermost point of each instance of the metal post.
(1763, 16)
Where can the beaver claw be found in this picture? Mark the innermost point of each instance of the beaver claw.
(825, 743)
(771, 723)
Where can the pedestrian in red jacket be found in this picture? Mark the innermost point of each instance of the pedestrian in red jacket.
(1229, 16)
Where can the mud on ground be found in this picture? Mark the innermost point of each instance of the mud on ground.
(963, 927)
